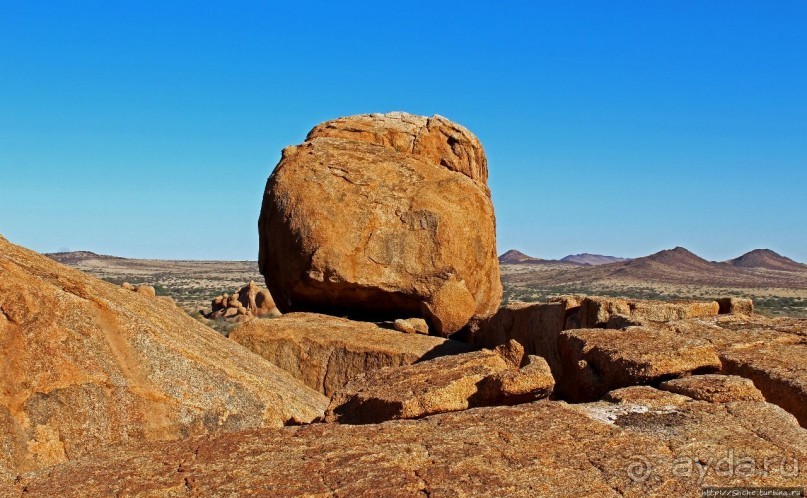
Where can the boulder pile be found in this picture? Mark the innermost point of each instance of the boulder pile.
(248, 302)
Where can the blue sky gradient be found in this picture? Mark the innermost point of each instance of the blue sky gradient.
(148, 129)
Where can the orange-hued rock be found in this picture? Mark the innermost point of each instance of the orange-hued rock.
(248, 302)
(598, 360)
(411, 326)
(146, 290)
(714, 388)
(617, 312)
(326, 352)
(88, 364)
(382, 217)
(633, 449)
(778, 370)
(736, 305)
(445, 384)
(535, 326)
(435, 140)
(257, 300)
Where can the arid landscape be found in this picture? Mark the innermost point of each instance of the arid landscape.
(403, 250)
(394, 353)
(776, 284)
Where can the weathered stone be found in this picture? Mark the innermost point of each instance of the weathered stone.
(535, 326)
(257, 300)
(382, 216)
(736, 306)
(646, 396)
(655, 311)
(435, 140)
(512, 352)
(714, 388)
(411, 326)
(597, 312)
(598, 360)
(146, 290)
(87, 364)
(548, 448)
(326, 352)
(778, 370)
(529, 383)
(250, 301)
(445, 384)
(730, 331)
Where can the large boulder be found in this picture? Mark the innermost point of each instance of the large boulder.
(325, 352)
(86, 364)
(383, 216)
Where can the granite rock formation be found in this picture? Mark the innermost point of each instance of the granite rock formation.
(383, 216)
(88, 364)
(326, 352)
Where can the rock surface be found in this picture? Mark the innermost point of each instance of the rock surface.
(382, 216)
(547, 448)
(778, 370)
(601, 312)
(88, 364)
(536, 326)
(714, 388)
(445, 384)
(411, 326)
(737, 306)
(326, 352)
(599, 360)
(248, 302)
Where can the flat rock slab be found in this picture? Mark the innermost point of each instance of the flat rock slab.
(326, 352)
(86, 363)
(599, 360)
(730, 331)
(449, 383)
(546, 448)
(778, 370)
(595, 311)
(714, 388)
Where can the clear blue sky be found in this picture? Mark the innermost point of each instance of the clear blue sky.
(148, 128)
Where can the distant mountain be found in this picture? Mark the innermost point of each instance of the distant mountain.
(75, 257)
(766, 259)
(592, 259)
(514, 257)
(678, 266)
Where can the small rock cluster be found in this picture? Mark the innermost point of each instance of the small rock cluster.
(248, 302)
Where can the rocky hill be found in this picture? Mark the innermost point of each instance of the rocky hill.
(592, 259)
(77, 257)
(514, 257)
(766, 259)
